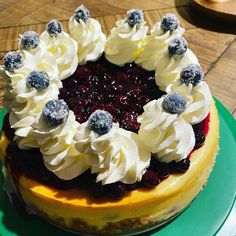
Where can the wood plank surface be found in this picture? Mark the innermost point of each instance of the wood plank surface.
(225, 10)
(214, 43)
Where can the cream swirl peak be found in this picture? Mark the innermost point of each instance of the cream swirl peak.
(58, 148)
(164, 130)
(154, 122)
(158, 41)
(29, 62)
(168, 69)
(115, 156)
(37, 58)
(29, 87)
(125, 42)
(62, 46)
(30, 95)
(88, 34)
(177, 143)
(198, 100)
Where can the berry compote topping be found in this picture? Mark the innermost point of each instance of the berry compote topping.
(100, 85)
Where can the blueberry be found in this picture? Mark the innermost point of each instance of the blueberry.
(191, 74)
(134, 16)
(12, 60)
(200, 138)
(169, 22)
(118, 190)
(54, 27)
(182, 166)
(97, 190)
(100, 122)
(81, 13)
(150, 179)
(38, 80)
(29, 40)
(163, 170)
(55, 112)
(174, 103)
(178, 47)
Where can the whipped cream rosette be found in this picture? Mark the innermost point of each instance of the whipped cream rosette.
(62, 46)
(117, 155)
(177, 142)
(28, 62)
(126, 39)
(164, 130)
(35, 56)
(156, 44)
(88, 35)
(198, 100)
(30, 97)
(172, 61)
(25, 101)
(55, 131)
(154, 122)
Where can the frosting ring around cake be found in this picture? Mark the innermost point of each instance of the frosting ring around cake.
(142, 208)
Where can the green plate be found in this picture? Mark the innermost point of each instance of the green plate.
(205, 216)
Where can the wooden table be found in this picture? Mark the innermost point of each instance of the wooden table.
(212, 42)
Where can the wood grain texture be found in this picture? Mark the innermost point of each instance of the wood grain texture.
(225, 10)
(213, 43)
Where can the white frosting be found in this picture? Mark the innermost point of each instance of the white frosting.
(167, 135)
(40, 60)
(24, 103)
(125, 43)
(27, 108)
(177, 143)
(118, 155)
(168, 68)
(198, 100)
(58, 148)
(64, 49)
(89, 37)
(154, 122)
(155, 45)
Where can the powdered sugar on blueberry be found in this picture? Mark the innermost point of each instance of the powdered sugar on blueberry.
(81, 13)
(55, 112)
(134, 17)
(100, 122)
(191, 74)
(54, 28)
(38, 80)
(29, 40)
(12, 60)
(169, 22)
(178, 47)
(174, 103)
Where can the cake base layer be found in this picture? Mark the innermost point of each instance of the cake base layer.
(141, 209)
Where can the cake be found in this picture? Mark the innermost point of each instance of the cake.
(106, 135)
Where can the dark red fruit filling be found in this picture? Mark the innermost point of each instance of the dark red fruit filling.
(122, 91)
